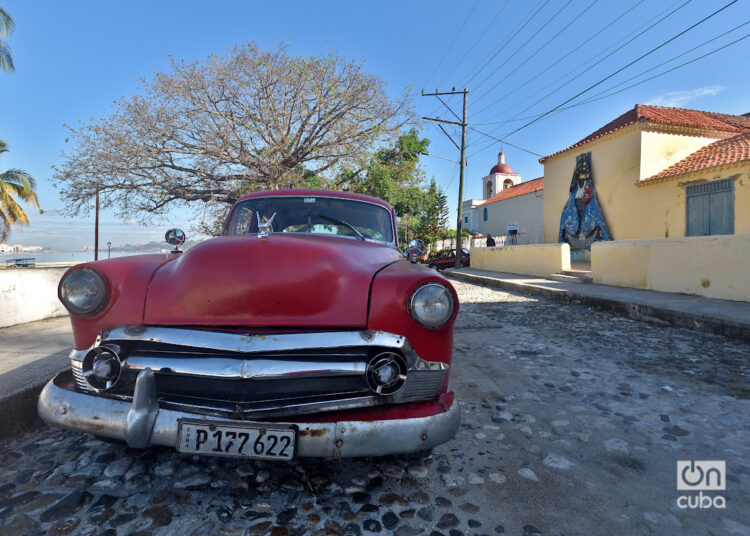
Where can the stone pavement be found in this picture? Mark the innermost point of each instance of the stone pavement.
(573, 420)
(724, 317)
(30, 354)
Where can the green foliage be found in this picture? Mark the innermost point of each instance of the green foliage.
(14, 184)
(6, 28)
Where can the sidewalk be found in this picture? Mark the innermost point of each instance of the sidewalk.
(724, 317)
(30, 354)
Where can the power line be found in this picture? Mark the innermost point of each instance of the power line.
(502, 141)
(452, 42)
(492, 22)
(608, 93)
(624, 67)
(508, 41)
(520, 47)
(627, 40)
(639, 34)
(567, 54)
(594, 97)
(533, 54)
(660, 74)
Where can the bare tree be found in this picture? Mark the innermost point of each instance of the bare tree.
(211, 130)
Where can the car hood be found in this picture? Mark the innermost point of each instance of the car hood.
(284, 280)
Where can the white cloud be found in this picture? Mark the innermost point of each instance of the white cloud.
(681, 98)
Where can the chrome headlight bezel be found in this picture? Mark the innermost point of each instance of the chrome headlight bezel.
(420, 319)
(102, 290)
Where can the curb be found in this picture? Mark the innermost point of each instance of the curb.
(19, 414)
(636, 311)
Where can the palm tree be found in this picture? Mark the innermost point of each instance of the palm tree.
(14, 183)
(6, 27)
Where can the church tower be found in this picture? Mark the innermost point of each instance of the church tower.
(501, 177)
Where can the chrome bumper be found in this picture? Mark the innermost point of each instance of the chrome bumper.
(142, 423)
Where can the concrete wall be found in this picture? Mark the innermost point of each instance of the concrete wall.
(711, 266)
(28, 294)
(632, 210)
(540, 260)
(527, 210)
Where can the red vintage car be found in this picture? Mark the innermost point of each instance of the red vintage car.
(447, 259)
(301, 331)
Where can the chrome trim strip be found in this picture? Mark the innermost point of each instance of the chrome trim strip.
(108, 418)
(251, 343)
(255, 369)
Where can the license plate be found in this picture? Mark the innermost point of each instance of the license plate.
(257, 440)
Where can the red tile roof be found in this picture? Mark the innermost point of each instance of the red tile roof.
(718, 153)
(668, 116)
(528, 187)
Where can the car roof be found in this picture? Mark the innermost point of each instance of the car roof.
(318, 193)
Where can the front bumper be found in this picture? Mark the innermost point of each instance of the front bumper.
(142, 423)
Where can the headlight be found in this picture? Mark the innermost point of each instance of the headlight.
(83, 292)
(431, 305)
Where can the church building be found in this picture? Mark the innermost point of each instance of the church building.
(508, 206)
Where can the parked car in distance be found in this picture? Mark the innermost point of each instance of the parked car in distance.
(447, 259)
(300, 332)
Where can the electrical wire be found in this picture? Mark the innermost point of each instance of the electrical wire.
(502, 47)
(623, 45)
(608, 93)
(502, 141)
(452, 42)
(550, 19)
(490, 25)
(532, 56)
(683, 32)
(566, 55)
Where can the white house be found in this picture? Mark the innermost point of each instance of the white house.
(508, 207)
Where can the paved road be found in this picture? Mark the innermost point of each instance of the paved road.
(573, 421)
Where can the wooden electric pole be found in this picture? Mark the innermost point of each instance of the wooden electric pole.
(463, 124)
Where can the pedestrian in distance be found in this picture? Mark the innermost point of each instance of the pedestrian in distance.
(490, 241)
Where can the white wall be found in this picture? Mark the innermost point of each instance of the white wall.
(527, 210)
(28, 294)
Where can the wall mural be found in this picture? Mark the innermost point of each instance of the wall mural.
(582, 222)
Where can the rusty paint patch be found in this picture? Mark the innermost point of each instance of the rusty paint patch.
(319, 432)
(705, 282)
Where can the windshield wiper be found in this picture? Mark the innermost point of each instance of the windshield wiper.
(342, 222)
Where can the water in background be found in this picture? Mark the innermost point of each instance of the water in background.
(63, 256)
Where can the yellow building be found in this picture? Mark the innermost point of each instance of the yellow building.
(659, 172)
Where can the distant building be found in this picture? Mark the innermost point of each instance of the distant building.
(509, 207)
(8, 248)
(653, 172)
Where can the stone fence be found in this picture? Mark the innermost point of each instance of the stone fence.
(28, 294)
(711, 266)
(540, 260)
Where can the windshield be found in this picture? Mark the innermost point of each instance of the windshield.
(318, 215)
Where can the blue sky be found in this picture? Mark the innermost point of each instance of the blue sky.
(73, 59)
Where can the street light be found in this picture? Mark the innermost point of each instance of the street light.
(109, 249)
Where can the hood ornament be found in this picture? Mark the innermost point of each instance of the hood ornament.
(265, 229)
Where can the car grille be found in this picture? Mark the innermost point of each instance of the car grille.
(264, 383)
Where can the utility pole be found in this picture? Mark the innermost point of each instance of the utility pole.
(96, 228)
(463, 124)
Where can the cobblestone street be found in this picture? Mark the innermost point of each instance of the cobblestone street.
(573, 421)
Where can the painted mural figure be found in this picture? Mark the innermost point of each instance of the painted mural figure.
(582, 222)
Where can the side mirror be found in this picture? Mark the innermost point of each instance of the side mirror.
(415, 249)
(175, 237)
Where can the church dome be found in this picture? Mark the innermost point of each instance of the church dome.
(501, 168)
